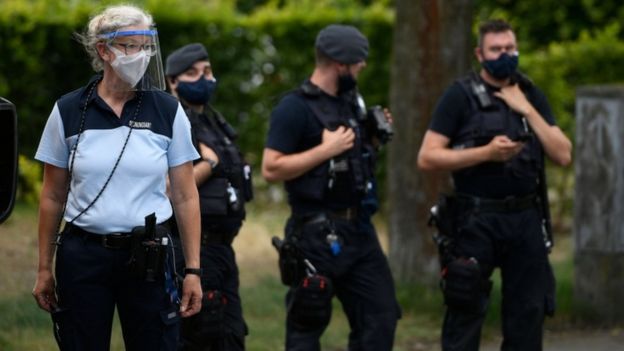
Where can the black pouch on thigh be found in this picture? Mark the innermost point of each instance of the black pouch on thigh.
(209, 322)
(311, 307)
(463, 286)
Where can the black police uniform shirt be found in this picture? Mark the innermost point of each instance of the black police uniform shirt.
(453, 110)
(293, 129)
(160, 139)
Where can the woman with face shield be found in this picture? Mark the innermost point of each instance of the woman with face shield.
(109, 151)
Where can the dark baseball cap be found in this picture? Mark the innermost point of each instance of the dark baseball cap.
(181, 59)
(342, 43)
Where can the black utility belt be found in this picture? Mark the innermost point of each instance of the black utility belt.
(508, 204)
(219, 238)
(344, 214)
(116, 241)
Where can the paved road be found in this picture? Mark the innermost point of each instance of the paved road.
(607, 340)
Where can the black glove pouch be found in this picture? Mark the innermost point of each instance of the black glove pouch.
(463, 286)
(311, 307)
(208, 323)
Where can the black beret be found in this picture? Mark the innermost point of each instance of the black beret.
(342, 43)
(183, 58)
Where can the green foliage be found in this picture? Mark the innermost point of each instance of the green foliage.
(29, 180)
(595, 58)
(539, 23)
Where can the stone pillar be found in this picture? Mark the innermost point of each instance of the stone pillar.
(599, 201)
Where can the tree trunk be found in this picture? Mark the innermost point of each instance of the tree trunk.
(431, 49)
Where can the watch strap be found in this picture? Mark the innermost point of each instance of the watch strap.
(196, 271)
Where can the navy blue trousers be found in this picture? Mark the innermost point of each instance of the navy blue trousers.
(512, 241)
(91, 282)
(362, 282)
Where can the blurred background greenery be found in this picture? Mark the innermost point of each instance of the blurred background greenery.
(260, 49)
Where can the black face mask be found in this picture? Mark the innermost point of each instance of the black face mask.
(346, 83)
(197, 92)
(503, 67)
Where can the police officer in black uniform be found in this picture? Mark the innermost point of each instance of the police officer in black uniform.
(319, 145)
(491, 129)
(223, 179)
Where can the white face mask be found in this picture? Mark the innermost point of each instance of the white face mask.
(130, 68)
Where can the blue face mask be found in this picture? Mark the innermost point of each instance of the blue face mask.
(503, 67)
(197, 92)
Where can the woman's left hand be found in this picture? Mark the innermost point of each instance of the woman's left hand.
(43, 292)
(191, 296)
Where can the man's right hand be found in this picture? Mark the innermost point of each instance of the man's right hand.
(338, 141)
(502, 148)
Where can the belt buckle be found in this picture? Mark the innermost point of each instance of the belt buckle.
(315, 219)
(106, 238)
(509, 202)
(350, 213)
(105, 242)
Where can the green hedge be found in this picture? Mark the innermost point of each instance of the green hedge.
(256, 57)
(595, 58)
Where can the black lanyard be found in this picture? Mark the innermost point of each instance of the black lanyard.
(73, 157)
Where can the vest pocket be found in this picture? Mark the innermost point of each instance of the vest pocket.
(213, 197)
(311, 185)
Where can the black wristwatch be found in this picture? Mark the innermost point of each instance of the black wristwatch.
(196, 271)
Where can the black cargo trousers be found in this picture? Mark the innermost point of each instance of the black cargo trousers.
(360, 276)
(219, 326)
(514, 242)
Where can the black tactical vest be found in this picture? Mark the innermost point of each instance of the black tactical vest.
(347, 175)
(490, 116)
(229, 186)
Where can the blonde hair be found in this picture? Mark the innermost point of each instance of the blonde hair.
(111, 19)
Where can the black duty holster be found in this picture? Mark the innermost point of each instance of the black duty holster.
(149, 250)
(291, 266)
(462, 284)
(443, 215)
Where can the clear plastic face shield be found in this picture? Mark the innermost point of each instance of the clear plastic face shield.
(137, 58)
